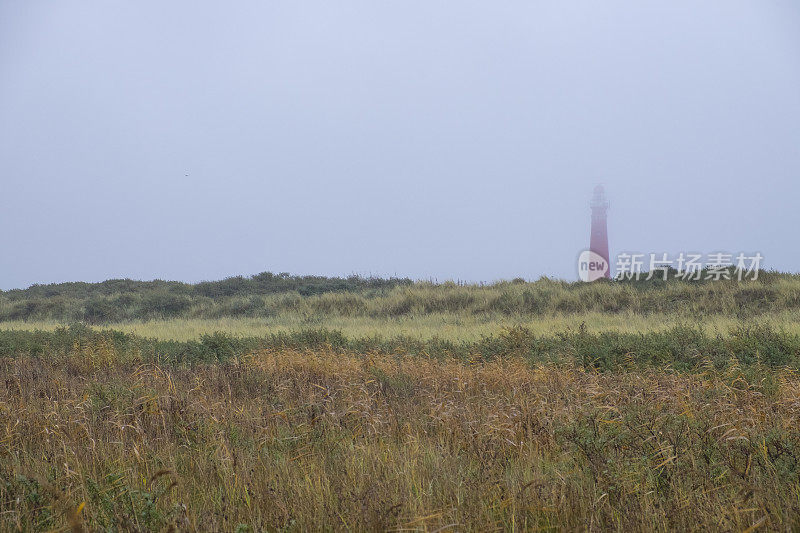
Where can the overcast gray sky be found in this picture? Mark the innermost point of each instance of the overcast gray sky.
(432, 139)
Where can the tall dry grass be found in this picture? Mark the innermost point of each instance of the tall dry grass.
(290, 440)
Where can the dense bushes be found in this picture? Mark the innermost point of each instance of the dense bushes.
(125, 299)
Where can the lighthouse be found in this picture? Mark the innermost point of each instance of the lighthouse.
(598, 242)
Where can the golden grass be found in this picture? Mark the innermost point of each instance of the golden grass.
(286, 440)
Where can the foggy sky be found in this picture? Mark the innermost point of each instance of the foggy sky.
(196, 140)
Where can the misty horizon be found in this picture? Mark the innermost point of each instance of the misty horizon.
(193, 141)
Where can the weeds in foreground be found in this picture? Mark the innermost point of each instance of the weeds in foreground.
(288, 439)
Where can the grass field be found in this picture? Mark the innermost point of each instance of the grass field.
(288, 440)
(448, 326)
(407, 408)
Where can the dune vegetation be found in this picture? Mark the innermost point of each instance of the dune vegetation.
(388, 405)
(269, 296)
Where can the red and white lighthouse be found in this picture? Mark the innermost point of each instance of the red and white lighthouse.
(598, 242)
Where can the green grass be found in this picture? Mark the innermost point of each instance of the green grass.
(682, 347)
(119, 301)
(448, 326)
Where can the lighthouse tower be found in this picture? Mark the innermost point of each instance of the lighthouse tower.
(598, 242)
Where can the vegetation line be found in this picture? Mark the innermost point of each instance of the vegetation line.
(267, 295)
(681, 347)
